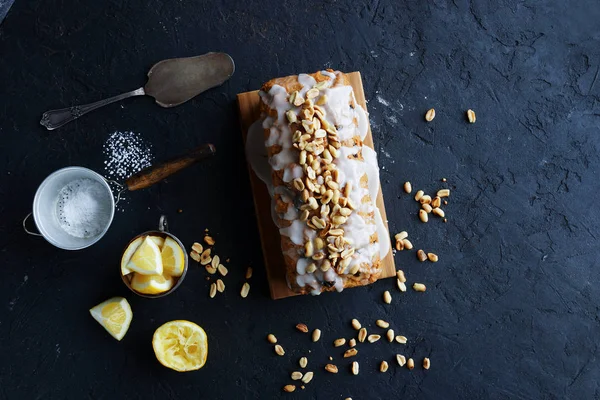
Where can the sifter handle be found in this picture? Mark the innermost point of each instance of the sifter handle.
(156, 173)
(25, 226)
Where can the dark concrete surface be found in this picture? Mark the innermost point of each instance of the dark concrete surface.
(512, 307)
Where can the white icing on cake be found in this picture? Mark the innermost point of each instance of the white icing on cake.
(350, 120)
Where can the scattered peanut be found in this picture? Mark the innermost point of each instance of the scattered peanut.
(426, 199)
(355, 367)
(399, 245)
(407, 244)
(407, 187)
(223, 270)
(362, 334)
(302, 327)
(410, 364)
(400, 359)
(419, 194)
(209, 240)
(220, 286)
(307, 377)
(296, 375)
(195, 256)
(316, 335)
(400, 275)
(373, 338)
(426, 363)
(279, 350)
(423, 215)
(245, 290)
(439, 212)
(401, 236)
(430, 115)
(401, 339)
(383, 367)
(382, 324)
(213, 290)
(401, 285)
(331, 368)
(421, 255)
(350, 353)
(390, 335)
(289, 388)
(197, 247)
(339, 342)
(426, 207)
(249, 273)
(352, 342)
(271, 338)
(356, 324)
(419, 287)
(303, 362)
(436, 202)
(387, 297)
(210, 269)
(443, 192)
(205, 257)
(471, 116)
(432, 257)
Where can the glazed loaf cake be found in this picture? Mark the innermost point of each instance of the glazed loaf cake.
(320, 187)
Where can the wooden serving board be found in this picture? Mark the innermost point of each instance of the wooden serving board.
(249, 104)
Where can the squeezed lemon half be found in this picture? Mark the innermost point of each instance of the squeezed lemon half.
(180, 345)
(114, 315)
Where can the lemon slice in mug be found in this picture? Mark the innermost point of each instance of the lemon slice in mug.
(133, 246)
(114, 315)
(173, 258)
(180, 345)
(151, 284)
(160, 241)
(147, 259)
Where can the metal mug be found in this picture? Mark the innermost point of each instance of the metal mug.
(163, 231)
(45, 208)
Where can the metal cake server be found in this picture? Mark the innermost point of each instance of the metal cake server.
(171, 82)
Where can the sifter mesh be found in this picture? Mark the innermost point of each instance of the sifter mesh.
(83, 208)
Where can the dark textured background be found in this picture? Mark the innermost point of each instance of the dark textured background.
(512, 308)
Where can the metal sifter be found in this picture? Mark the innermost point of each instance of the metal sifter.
(53, 205)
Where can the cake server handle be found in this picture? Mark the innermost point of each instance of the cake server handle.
(56, 118)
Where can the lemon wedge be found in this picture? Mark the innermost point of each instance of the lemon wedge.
(160, 241)
(151, 284)
(133, 246)
(180, 345)
(146, 260)
(173, 258)
(114, 315)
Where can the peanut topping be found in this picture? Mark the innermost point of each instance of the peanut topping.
(326, 206)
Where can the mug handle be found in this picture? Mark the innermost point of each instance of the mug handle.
(25, 226)
(163, 226)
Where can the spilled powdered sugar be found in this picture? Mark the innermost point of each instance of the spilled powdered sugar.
(383, 101)
(126, 153)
